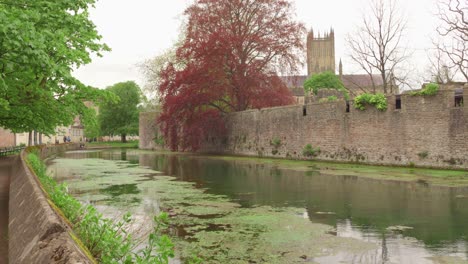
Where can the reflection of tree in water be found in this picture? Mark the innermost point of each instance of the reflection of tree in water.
(358, 207)
(434, 212)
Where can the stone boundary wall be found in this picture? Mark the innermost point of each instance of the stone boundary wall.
(428, 131)
(36, 233)
(148, 130)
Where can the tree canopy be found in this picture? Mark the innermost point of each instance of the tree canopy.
(121, 118)
(41, 42)
(233, 51)
(327, 80)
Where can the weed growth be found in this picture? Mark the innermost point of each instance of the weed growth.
(378, 100)
(107, 240)
(309, 151)
(429, 89)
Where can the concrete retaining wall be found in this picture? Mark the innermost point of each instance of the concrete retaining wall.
(36, 233)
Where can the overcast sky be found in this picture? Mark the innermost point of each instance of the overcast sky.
(140, 29)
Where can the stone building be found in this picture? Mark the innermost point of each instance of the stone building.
(321, 58)
(320, 52)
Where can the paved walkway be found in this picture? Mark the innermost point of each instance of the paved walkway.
(5, 170)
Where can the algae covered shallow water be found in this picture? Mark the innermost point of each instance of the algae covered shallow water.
(241, 210)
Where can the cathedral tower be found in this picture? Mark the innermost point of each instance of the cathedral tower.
(320, 52)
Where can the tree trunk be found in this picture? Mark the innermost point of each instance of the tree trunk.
(30, 138)
(40, 138)
(123, 138)
(35, 137)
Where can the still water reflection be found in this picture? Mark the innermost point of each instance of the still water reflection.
(409, 222)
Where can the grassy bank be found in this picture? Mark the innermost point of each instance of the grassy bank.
(106, 240)
(113, 144)
(441, 177)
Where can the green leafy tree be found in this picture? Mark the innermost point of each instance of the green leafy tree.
(41, 42)
(325, 80)
(121, 118)
(91, 124)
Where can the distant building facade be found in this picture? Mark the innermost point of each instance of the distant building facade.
(321, 58)
(320, 52)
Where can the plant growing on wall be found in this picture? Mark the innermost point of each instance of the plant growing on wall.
(329, 99)
(276, 143)
(159, 141)
(429, 89)
(423, 155)
(325, 80)
(310, 151)
(378, 100)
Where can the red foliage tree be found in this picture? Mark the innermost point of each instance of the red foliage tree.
(232, 53)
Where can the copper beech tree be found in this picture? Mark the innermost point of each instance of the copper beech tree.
(232, 54)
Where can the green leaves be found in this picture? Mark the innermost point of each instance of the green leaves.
(378, 100)
(107, 240)
(40, 43)
(325, 80)
(429, 89)
(121, 118)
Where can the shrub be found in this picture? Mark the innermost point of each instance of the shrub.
(325, 80)
(328, 99)
(378, 100)
(276, 142)
(429, 89)
(107, 240)
(309, 151)
(159, 141)
(423, 154)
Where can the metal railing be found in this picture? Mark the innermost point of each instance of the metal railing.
(10, 150)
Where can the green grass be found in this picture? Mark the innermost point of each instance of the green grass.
(114, 144)
(107, 240)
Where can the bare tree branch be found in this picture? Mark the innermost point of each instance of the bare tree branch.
(376, 45)
(453, 15)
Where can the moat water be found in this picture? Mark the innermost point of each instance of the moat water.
(238, 210)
